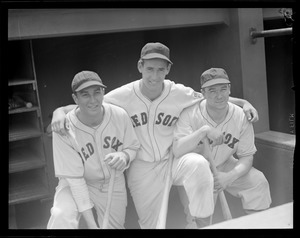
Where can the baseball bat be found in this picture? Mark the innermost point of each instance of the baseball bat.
(224, 205)
(162, 217)
(109, 199)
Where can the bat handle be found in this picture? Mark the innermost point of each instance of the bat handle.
(209, 155)
(109, 199)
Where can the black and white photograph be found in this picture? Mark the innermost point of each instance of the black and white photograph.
(150, 117)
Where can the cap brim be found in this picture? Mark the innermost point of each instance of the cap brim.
(215, 81)
(155, 56)
(88, 84)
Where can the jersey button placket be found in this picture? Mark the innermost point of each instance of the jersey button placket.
(101, 156)
(152, 121)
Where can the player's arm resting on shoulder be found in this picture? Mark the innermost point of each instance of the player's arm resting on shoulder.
(81, 196)
(242, 167)
(58, 119)
(188, 143)
(250, 112)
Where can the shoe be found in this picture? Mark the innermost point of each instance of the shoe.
(202, 222)
(191, 225)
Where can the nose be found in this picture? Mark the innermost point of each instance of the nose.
(92, 98)
(155, 74)
(219, 94)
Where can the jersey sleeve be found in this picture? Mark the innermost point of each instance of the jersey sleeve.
(119, 96)
(67, 161)
(183, 126)
(246, 144)
(80, 193)
(187, 96)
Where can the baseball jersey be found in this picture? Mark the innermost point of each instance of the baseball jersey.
(81, 153)
(238, 132)
(154, 121)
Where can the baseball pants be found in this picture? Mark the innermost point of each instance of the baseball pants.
(252, 188)
(146, 181)
(64, 213)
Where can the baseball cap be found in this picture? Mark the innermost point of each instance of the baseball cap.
(213, 76)
(156, 50)
(85, 79)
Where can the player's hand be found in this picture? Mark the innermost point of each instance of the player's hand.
(215, 135)
(117, 160)
(221, 181)
(250, 112)
(59, 124)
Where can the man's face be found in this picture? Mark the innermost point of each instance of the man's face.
(90, 100)
(153, 73)
(217, 95)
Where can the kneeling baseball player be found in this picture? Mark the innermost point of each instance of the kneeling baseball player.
(235, 175)
(100, 139)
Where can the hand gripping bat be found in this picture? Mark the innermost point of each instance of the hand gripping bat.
(223, 201)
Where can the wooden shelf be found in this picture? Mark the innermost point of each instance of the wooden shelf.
(22, 160)
(14, 82)
(22, 109)
(19, 132)
(28, 172)
(26, 189)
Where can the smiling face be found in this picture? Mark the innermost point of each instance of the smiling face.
(217, 95)
(153, 73)
(89, 100)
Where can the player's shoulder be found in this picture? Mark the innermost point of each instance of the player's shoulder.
(183, 90)
(235, 108)
(113, 108)
(237, 113)
(192, 109)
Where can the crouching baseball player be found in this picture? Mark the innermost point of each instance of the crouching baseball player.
(237, 176)
(100, 139)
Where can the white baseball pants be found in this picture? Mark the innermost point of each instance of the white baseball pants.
(252, 188)
(64, 213)
(146, 182)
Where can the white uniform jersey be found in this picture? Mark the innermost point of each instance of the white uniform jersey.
(238, 132)
(82, 151)
(154, 121)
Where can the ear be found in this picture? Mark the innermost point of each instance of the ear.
(140, 66)
(75, 98)
(169, 68)
(229, 87)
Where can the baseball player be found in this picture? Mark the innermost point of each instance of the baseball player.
(154, 105)
(100, 138)
(235, 175)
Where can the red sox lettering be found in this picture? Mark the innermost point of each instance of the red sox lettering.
(109, 142)
(114, 143)
(166, 120)
(227, 138)
(90, 150)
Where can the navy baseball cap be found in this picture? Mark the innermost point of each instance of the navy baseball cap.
(156, 50)
(86, 79)
(213, 76)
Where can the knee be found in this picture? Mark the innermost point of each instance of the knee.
(196, 161)
(261, 181)
(63, 212)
